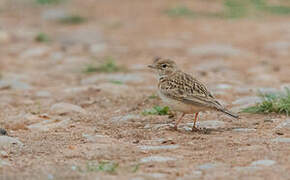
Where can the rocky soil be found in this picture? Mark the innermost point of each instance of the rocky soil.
(65, 123)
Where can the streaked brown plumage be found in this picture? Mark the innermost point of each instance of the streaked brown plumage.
(182, 92)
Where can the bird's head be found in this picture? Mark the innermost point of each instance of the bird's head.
(164, 67)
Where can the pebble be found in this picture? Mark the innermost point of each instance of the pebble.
(281, 140)
(164, 147)
(43, 94)
(14, 84)
(126, 118)
(48, 125)
(6, 142)
(283, 127)
(211, 124)
(245, 130)
(208, 166)
(65, 108)
(156, 159)
(4, 37)
(34, 52)
(265, 162)
(248, 100)
(3, 132)
(54, 14)
(215, 49)
(97, 48)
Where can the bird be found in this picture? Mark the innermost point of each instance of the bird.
(183, 93)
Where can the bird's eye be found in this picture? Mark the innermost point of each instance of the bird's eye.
(164, 66)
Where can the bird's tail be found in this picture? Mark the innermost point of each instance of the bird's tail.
(229, 113)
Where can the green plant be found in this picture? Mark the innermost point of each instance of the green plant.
(153, 96)
(49, 1)
(108, 66)
(179, 11)
(278, 102)
(116, 82)
(42, 37)
(104, 166)
(73, 19)
(157, 110)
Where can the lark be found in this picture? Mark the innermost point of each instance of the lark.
(184, 93)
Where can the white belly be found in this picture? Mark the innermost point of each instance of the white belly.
(176, 105)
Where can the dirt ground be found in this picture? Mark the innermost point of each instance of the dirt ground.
(53, 140)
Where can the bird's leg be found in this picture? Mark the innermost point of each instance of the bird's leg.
(194, 122)
(178, 121)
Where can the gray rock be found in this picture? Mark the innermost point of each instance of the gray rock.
(95, 138)
(281, 140)
(164, 147)
(156, 159)
(283, 127)
(54, 14)
(65, 108)
(267, 90)
(157, 175)
(245, 130)
(247, 169)
(43, 94)
(48, 125)
(4, 37)
(98, 48)
(265, 162)
(34, 52)
(208, 166)
(248, 100)
(211, 124)
(280, 47)
(6, 142)
(215, 49)
(126, 118)
(125, 78)
(4, 163)
(14, 84)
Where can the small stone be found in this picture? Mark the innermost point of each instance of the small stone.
(34, 52)
(248, 100)
(215, 49)
(263, 163)
(6, 142)
(4, 37)
(97, 48)
(156, 159)
(245, 130)
(54, 14)
(65, 108)
(3, 131)
(14, 84)
(3, 163)
(157, 175)
(209, 166)
(267, 90)
(164, 147)
(281, 140)
(211, 124)
(48, 125)
(3, 154)
(283, 127)
(126, 118)
(43, 94)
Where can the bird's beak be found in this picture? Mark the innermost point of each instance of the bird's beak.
(151, 66)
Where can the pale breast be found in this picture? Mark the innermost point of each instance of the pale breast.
(176, 105)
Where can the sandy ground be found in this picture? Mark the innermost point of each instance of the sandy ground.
(52, 140)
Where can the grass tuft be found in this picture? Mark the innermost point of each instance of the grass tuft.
(42, 37)
(73, 19)
(156, 110)
(108, 66)
(49, 1)
(272, 103)
(179, 11)
(109, 167)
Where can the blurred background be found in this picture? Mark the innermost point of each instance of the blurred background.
(94, 54)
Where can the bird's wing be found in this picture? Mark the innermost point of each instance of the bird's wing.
(187, 89)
